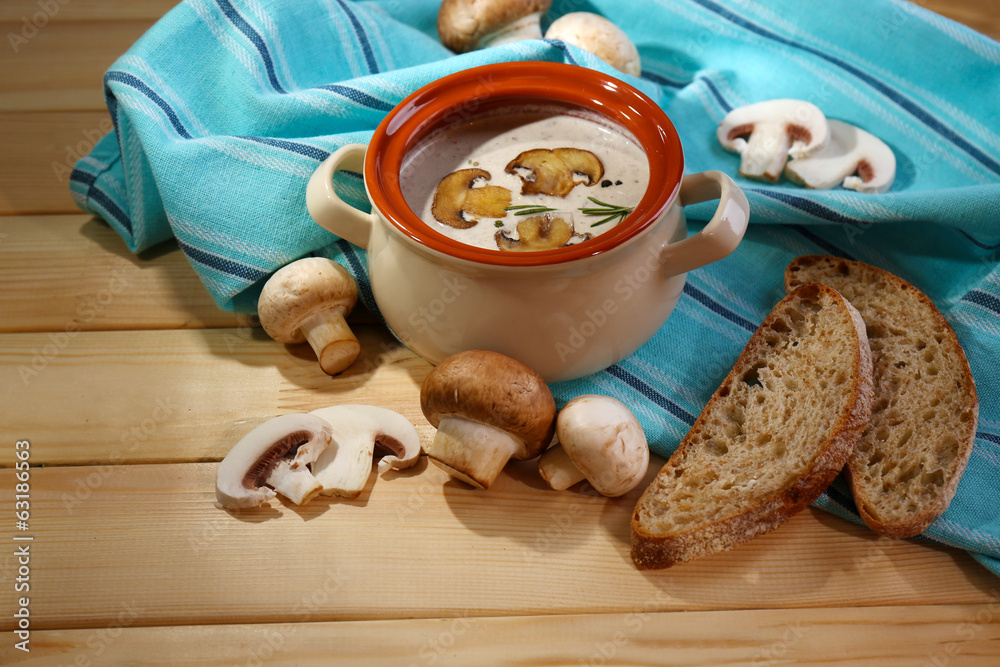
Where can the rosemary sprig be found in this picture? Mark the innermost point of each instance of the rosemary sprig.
(528, 209)
(610, 211)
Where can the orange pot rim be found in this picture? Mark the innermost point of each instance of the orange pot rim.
(448, 99)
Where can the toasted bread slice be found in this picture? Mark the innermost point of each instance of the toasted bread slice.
(907, 465)
(771, 438)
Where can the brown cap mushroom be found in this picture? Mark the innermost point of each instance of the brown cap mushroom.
(555, 171)
(467, 25)
(539, 232)
(488, 408)
(594, 33)
(600, 440)
(276, 454)
(308, 300)
(853, 158)
(462, 197)
(766, 133)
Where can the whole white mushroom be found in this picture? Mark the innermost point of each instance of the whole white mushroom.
(308, 300)
(594, 33)
(600, 440)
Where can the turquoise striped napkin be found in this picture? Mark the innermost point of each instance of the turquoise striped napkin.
(225, 107)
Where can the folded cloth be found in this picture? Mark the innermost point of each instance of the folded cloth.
(225, 107)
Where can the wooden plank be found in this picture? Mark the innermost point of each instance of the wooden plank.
(418, 545)
(91, 282)
(956, 635)
(61, 65)
(186, 395)
(15, 11)
(981, 15)
(40, 150)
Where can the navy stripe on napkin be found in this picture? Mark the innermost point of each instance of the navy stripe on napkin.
(821, 242)
(315, 153)
(984, 299)
(82, 177)
(561, 45)
(723, 102)
(717, 307)
(258, 42)
(809, 206)
(358, 269)
(981, 244)
(649, 392)
(101, 198)
(359, 97)
(138, 84)
(221, 264)
(661, 80)
(366, 46)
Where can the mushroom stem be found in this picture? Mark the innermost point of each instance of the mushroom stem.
(527, 27)
(558, 469)
(472, 451)
(766, 152)
(293, 481)
(346, 465)
(331, 339)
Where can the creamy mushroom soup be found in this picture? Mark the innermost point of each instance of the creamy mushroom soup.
(525, 180)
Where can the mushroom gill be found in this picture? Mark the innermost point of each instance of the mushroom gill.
(461, 198)
(286, 448)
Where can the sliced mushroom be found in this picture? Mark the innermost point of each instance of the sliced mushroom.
(308, 300)
(488, 408)
(555, 171)
(467, 25)
(766, 133)
(355, 432)
(853, 158)
(275, 454)
(539, 232)
(600, 440)
(462, 197)
(594, 33)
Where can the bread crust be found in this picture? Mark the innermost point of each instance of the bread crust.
(833, 270)
(656, 551)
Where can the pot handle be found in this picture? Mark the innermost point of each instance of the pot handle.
(326, 207)
(722, 233)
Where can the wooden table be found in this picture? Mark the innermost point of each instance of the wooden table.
(130, 386)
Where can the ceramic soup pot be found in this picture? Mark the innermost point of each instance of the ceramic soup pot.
(565, 312)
